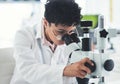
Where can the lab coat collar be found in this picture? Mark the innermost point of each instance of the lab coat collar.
(40, 34)
(39, 29)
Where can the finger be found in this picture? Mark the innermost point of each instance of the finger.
(82, 74)
(86, 69)
(88, 61)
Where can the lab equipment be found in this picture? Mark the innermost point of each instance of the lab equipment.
(77, 50)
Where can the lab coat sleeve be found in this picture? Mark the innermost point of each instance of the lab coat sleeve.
(29, 67)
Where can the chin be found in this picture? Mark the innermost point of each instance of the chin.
(60, 43)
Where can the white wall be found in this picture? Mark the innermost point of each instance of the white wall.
(12, 16)
(98, 7)
(116, 13)
(103, 7)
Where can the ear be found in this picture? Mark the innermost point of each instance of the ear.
(46, 23)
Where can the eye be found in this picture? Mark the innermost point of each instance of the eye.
(71, 31)
(61, 32)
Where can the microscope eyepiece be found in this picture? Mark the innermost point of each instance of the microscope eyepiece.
(67, 39)
(70, 38)
(74, 37)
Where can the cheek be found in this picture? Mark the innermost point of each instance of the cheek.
(51, 35)
(61, 42)
(58, 42)
(53, 38)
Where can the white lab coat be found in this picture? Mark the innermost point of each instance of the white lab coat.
(35, 62)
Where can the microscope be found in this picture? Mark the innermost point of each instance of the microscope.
(78, 49)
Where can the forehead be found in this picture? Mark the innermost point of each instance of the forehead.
(63, 27)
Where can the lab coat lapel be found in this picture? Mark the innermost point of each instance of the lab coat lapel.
(59, 57)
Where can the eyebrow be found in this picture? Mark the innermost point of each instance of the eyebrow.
(65, 30)
(62, 30)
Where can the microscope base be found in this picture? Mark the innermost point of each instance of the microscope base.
(82, 81)
(97, 81)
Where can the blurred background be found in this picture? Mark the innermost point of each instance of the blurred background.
(16, 13)
(13, 13)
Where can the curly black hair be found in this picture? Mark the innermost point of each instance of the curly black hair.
(64, 12)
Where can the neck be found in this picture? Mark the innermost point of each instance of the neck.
(47, 36)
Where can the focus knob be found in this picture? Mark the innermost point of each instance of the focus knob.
(103, 33)
(109, 65)
(92, 68)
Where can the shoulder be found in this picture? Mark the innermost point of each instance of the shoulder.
(26, 31)
(25, 34)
